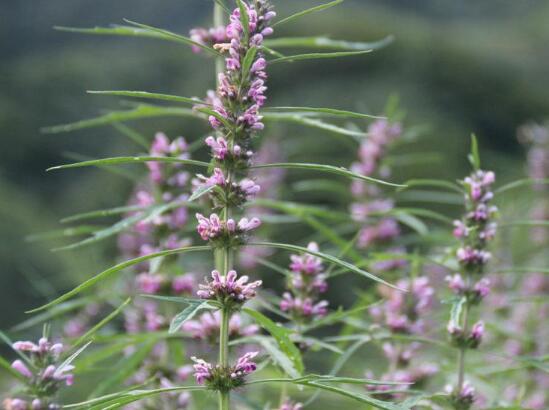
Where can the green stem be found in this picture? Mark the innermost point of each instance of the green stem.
(462, 350)
(222, 256)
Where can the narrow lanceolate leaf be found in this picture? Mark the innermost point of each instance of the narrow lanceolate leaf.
(117, 268)
(327, 168)
(141, 111)
(244, 18)
(128, 160)
(125, 367)
(326, 257)
(200, 191)
(101, 323)
(126, 397)
(315, 123)
(174, 37)
(67, 362)
(326, 43)
(154, 96)
(248, 61)
(282, 337)
(455, 312)
(474, 156)
(187, 314)
(308, 11)
(63, 233)
(439, 183)
(316, 56)
(520, 183)
(294, 208)
(103, 213)
(323, 112)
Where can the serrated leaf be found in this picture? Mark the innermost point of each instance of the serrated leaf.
(186, 314)
(148, 95)
(317, 56)
(326, 168)
(117, 268)
(308, 11)
(282, 337)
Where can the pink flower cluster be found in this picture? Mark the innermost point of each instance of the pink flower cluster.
(370, 207)
(404, 312)
(207, 326)
(213, 228)
(42, 372)
(228, 289)
(217, 377)
(288, 405)
(307, 281)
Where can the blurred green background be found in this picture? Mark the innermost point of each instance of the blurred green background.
(458, 67)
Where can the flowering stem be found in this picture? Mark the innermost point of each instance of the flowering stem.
(462, 350)
(224, 396)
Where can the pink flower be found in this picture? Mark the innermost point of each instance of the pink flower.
(306, 263)
(228, 286)
(456, 283)
(183, 283)
(20, 367)
(202, 370)
(149, 283)
(244, 365)
(477, 331)
(219, 147)
(208, 228)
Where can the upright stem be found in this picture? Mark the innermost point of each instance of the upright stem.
(223, 257)
(462, 350)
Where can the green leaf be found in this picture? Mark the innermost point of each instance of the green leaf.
(523, 223)
(308, 11)
(244, 18)
(439, 183)
(8, 341)
(200, 191)
(129, 160)
(248, 61)
(326, 185)
(323, 112)
(103, 213)
(412, 222)
(117, 268)
(52, 313)
(455, 312)
(326, 257)
(282, 337)
(148, 214)
(133, 135)
(186, 314)
(278, 356)
(63, 233)
(125, 367)
(102, 323)
(218, 116)
(142, 31)
(474, 156)
(67, 362)
(520, 183)
(141, 111)
(326, 43)
(326, 168)
(126, 397)
(175, 37)
(356, 136)
(294, 208)
(148, 95)
(316, 56)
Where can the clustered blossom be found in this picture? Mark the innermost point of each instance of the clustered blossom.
(475, 230)
(306, 283)
(207, 327)
(463, 399)
(370, 207)
(229, 290)
(224, 379)
(234, 114)
(43, 375)
(404, 312)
